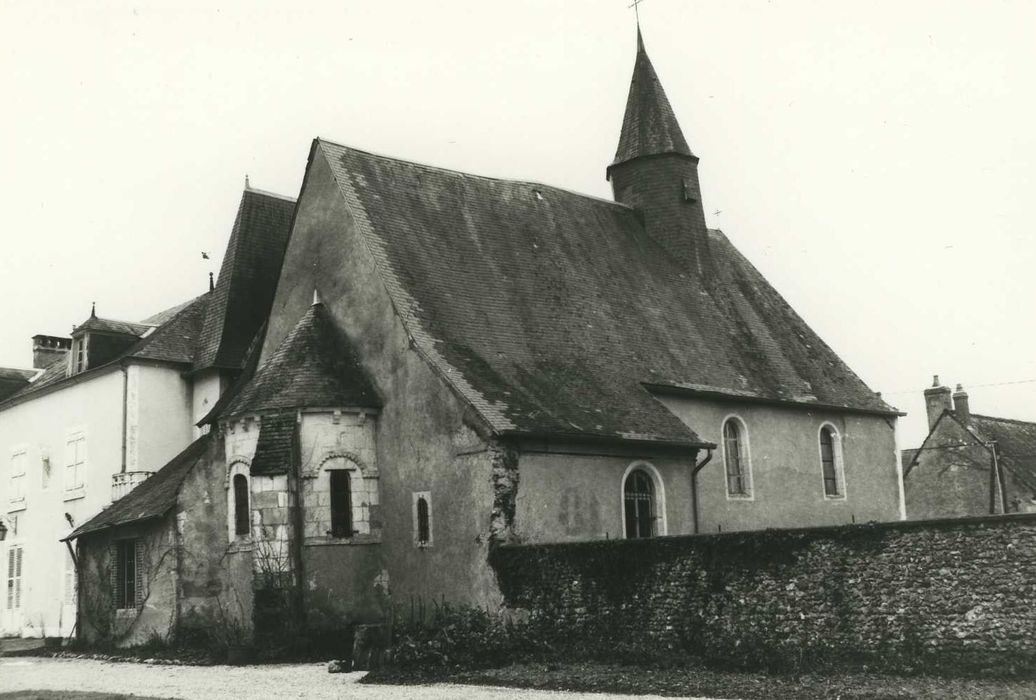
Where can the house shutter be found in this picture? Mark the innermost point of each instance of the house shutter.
(10, 578)
(113, 573)
(140, 580)
(18, 579)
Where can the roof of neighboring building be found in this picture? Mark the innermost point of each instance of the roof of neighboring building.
(173, 341)
(907, 458)
(151, 499)
(649, 126)
(13, 380)
(1015, 443)
(549, 311)
(247, 279)
(109, 325)
(314, 366)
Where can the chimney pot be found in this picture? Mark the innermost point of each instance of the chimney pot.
(47, 349)
(937, 399)
(961, 406)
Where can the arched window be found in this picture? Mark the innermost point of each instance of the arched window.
(735, 459)
(639, 500)
(241, 512)
(423, 529)
(831, 462)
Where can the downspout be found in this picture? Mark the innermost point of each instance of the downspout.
(125, 411)
(298, 518)
(694, 486)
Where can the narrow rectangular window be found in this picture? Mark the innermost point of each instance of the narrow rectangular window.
(341, 504)
(827, 461)
(127, 573)
(422, 512)
(241, 512)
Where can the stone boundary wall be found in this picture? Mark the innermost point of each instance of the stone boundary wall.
(958, 594)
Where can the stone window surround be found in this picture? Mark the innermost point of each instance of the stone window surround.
(836, 441)
(238, 466)
(358, 482)
(746, 462)
(660, 501)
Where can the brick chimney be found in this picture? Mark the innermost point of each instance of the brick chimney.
(937, 399)
(47, 349)
(961, 408)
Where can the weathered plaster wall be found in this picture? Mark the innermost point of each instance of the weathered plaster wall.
(956, 592)
(567, 497)
(157, 615)
(787, 481)
(41, 427)
(215, 573)
(205, 391)
(952, 476)
(163, 417)
(423, 443)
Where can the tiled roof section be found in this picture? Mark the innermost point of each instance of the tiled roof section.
(163, 316)
(549, 310)
(314, 366)
(907, 458)
(649, 126)
(273, 449)
(1015, 442)
(108, 325)
(247, 279)
(151, 499)
(173, 341)
(176, 339)
(13, 380)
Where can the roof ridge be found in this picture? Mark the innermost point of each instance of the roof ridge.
(477, 176)
(268, 193)
(1004, 420)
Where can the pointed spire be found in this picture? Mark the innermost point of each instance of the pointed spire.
(316, 297)
(93, 309)
(212, 283)
(649, 126)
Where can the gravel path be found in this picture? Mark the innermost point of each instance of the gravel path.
(310, 681)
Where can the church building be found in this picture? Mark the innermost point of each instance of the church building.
(453, 362)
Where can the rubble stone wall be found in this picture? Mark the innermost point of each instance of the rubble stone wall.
(960, 592)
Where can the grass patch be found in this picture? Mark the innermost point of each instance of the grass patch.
(699, 681)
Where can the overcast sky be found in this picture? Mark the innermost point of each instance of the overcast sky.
(874, 160)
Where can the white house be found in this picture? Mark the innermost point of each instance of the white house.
(113, 405)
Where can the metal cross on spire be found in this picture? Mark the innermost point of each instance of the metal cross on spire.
(636, 9)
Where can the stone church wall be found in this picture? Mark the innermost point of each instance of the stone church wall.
(955, 592)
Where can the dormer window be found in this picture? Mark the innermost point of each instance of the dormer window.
(79, 353)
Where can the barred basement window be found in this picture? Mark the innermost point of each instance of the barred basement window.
(341, 504)
(128, 574)
(241, 512)
(639, 497)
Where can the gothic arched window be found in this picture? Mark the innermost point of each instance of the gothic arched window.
(639, 502)
(735, 458)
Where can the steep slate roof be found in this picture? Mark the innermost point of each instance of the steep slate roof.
(273, 448)
(1016, 445)
(314, 366)
(649, 126)
(247, 279)
(151, 499)
(550, 310)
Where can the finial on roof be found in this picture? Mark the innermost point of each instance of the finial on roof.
(640, 39)
(93, 309)
(316, 297)
(246, 181)
(212, 285)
